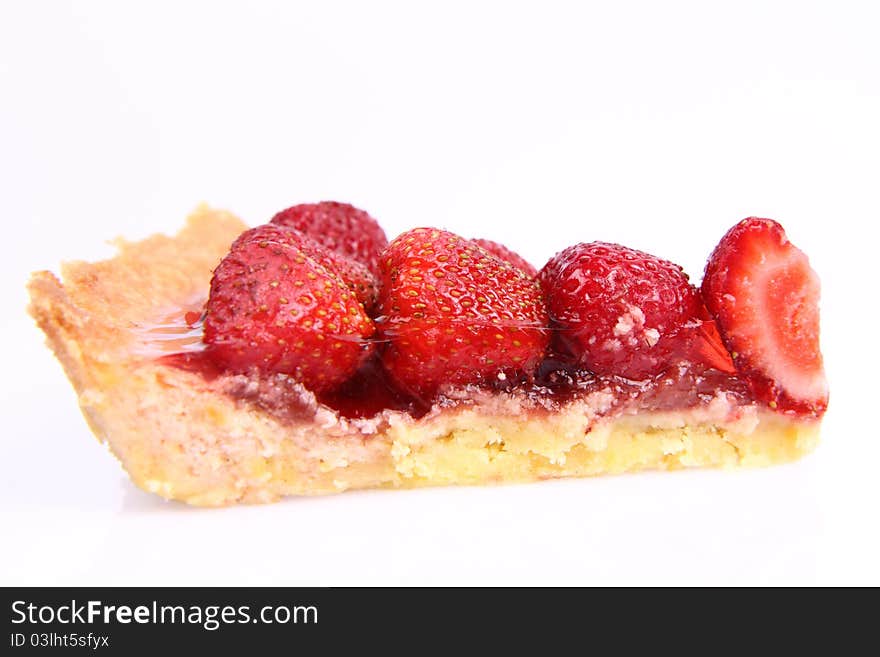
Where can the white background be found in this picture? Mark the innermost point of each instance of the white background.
(657, 125)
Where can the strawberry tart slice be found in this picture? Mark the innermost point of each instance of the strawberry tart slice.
(309, 355)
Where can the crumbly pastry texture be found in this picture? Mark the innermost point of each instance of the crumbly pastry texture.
(188, 437)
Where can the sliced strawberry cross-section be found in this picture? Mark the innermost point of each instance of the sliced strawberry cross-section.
(765, 297)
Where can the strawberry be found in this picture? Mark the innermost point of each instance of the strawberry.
(508, 255)
(358, 278)
(624, 312)
(452, 313)
(765, 297)
(339, 227)
(275, 307)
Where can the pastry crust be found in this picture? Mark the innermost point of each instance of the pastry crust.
(185, 437)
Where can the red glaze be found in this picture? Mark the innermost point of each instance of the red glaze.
(454, 313)
(197, 362)
(369, 392)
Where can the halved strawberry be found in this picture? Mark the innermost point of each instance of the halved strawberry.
(765, 296)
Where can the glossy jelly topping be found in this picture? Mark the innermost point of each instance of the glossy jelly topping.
(317, 310)
(174, 340)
